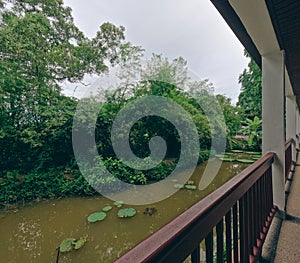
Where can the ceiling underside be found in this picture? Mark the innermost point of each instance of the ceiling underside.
(285, 17)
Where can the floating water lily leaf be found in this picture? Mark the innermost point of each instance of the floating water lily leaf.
(254, 153)
(256, 157)
(97, 216)
(190, 187)
(66, 245)
(79, 243)
(226, 159)
(245, 161)
(237, 151)
(178, 186)
(126, 212)
(107, 208)
(118, 203)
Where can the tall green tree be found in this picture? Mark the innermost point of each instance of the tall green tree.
(41, 47)
(250, 98)
(174, 72)
(232, 115)
(167, 78)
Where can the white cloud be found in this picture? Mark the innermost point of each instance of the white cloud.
(192, 29)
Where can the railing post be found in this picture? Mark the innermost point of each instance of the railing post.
(209, 244)
(195, 257)
(229, 237)
(235, 233)
(273, 124)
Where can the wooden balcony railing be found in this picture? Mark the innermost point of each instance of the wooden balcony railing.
(233, 221)
(288, 157)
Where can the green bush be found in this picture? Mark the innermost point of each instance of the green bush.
(203, 156)
(15, 187)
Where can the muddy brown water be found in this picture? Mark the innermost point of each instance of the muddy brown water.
(33, 232)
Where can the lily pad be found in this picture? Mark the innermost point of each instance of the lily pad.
(226, 159)
(237, 151)
(256, 157)
(254, 153)
(245, 160)
(97, 216)
(179, 186)
(107, 208)
(190, 187)
(126, 212)
(79, 243)
(66, 245)
(118, 203)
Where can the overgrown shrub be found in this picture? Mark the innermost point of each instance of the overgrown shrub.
(15, 187)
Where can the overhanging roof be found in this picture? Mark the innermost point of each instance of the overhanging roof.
(285, 16)
(236, 25)
(264, 26)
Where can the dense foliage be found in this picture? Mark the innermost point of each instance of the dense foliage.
(233, 118)
(40, 48)
(250, 98)
(250, 105)
(148, 127)
(252, 128)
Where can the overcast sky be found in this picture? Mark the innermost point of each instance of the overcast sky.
(192, 29)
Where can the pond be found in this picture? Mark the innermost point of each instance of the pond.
(33, 232)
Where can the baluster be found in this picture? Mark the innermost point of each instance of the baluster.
(209, 248)
(228, 237)
(235, 233)
(220, 241)
(196, 255)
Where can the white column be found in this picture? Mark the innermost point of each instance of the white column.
(291, 122)
(273, 100)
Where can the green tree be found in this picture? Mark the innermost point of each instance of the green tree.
(167, 78)
(250, 98)
(174, 72)
(40, 48)
(232, 115)
(252, 128)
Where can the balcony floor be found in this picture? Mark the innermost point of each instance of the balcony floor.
(288, 246)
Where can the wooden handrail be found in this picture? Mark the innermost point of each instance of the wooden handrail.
(182, 236)
(289, 142)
